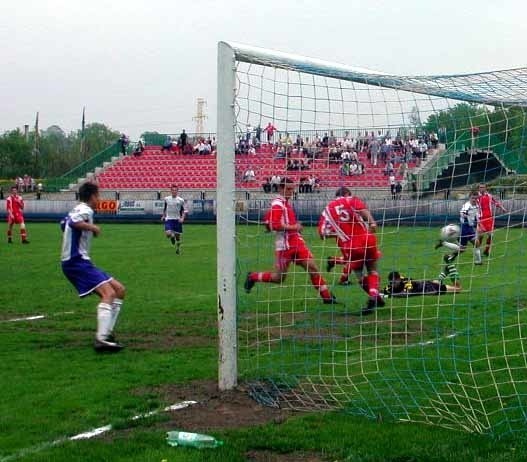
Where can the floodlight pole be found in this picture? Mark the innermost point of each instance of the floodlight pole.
(225, 220)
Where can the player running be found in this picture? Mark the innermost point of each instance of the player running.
(349, 220)
(289, 244)
(15, 216)
(77, 266)
(174, 214)
(468, 216)
(486, 201)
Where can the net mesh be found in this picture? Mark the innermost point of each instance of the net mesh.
(456, 359)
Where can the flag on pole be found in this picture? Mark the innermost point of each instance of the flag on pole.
(37, 135)
(83, 126)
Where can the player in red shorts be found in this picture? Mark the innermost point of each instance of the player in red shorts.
(486, 202)
(15, 216)
(348, 219)
(289, 244)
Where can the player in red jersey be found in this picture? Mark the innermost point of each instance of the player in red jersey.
(486, 204)
(290, 246)
(348, 219)
(15, 216)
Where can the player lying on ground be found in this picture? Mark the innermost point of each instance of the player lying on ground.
(403, 286)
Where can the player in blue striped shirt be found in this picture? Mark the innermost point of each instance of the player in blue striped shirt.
(78, 230)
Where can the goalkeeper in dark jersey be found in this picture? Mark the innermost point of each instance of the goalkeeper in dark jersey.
(400, 285)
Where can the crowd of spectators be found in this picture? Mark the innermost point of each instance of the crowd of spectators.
(183, 144)
(25, 184)
(308, 184)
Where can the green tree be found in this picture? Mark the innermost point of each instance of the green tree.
(16, 156)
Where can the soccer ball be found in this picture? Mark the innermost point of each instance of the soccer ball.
(450, 232)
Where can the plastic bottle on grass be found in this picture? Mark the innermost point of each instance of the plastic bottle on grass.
(192, 440)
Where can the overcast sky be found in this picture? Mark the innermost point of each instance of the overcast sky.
(141, 65)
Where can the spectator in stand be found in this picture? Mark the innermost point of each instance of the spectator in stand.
(362, 169)
(248, 133)
(288, 143)
(354, 168)
(123, 143)
(243, 147)
(434, 140)
(391, 180)
(388, 169)
(25, 183)
(270, 129)
(317, 186)
(251, 151)
(312, 183)
(325, 140)
(167, 145)
(374, 152)
(280, 153)
(385, 152)
(182, 140)
(275, 182)
(423, 149)
(258, 135)
(267, 185)
(398, 190)
(201, 147)
(139, 148)
(249, 175)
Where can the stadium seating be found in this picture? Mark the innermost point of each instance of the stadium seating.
(156, 170)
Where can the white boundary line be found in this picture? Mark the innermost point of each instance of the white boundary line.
(36, 317)
(91, 433)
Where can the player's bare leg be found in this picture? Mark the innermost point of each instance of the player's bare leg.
(177, 237)
(170, 235)
(276, 277)
(23, 233)
(488, 245)
(10, 233)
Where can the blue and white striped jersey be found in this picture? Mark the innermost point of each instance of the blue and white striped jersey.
(76, 243)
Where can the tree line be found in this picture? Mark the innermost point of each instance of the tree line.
(52, 152)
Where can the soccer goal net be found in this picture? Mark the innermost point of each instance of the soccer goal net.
(416, 150)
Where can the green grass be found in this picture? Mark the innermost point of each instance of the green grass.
(53, 385)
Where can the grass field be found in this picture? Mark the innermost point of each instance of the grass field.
(54, 386)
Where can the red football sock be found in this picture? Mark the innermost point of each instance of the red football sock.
(261, 277)
(363, 281)
(320, 284)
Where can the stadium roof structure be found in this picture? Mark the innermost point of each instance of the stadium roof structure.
(496, 88)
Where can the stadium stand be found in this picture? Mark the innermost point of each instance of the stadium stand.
(155, 169)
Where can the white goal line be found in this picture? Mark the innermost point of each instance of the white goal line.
(92, 433)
